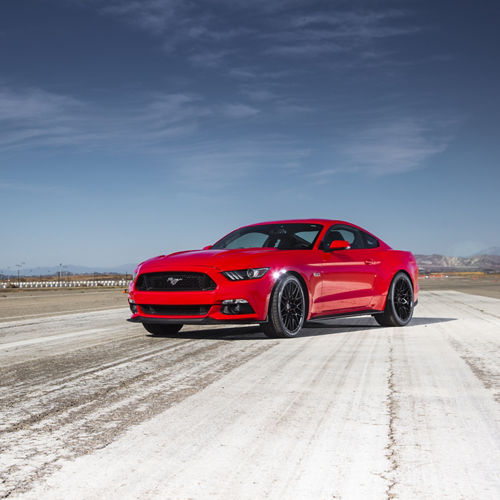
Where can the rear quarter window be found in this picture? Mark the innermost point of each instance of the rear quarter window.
(371, 242)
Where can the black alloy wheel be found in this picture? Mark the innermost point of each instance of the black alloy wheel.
(399, 304)
(162, 329)
(287, 309)
(403, 300)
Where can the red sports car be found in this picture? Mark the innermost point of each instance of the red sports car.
(279, 274)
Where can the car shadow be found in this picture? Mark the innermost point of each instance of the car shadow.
(340, 325)
(429, 321)
(366, 322)
(310, 329)
(247, 332)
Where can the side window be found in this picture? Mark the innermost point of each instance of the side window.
(349, 234)
(371, 242)
(309, 236)
(353, 236)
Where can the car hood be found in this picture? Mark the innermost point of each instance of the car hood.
(222, 260)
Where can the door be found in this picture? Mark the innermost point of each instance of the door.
(348, 276)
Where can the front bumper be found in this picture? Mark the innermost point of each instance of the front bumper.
(255, 292)
(206, 320)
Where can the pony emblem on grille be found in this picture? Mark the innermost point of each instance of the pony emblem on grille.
(173, 281)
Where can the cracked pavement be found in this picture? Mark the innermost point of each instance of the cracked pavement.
(93, 407)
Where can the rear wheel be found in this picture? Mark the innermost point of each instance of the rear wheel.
(287, 309)
(159, 329)
(399, 304)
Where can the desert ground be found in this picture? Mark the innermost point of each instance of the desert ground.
(487, 285)
(91, 406)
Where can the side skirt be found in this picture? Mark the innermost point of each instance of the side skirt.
(347, 314)
(365, 312)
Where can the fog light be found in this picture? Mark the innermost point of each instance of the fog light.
(133, 306)
(236, 306)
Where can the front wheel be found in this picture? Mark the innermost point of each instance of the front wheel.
(287, 309)
(159, 329)
(399, 304)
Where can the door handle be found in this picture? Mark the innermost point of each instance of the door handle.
(369, 262)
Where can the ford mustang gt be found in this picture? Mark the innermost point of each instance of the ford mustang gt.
(280, 275)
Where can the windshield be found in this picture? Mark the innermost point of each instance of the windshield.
(291, 236)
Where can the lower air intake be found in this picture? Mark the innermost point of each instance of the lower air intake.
(161, 310)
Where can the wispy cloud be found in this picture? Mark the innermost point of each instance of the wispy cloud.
(210, 59)
(249, 73)
(217, 167)
(207, 31)
(395, 147)
(180, 124)
(366, 23)
(30, 103)
(35, 118)
(176, 127)
(299, 48)
(151, 15)
(339, 31)
(239, 110)
(271, 53)
(387, 148)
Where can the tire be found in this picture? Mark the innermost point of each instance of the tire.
(159, 329)
(287, 309)
(399, 304)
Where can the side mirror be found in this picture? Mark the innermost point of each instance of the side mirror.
(208, 247)
(339, 245)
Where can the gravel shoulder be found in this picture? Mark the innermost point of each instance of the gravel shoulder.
(24, 304)
(486, 286)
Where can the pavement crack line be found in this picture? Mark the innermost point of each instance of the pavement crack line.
(392, 408)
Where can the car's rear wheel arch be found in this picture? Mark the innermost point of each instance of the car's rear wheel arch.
(399, 303)
(392, 279)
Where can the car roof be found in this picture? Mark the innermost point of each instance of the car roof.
(299, 221)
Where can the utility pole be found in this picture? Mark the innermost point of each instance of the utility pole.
(19, 267)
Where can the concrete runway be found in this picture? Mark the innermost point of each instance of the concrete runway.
(93, 407)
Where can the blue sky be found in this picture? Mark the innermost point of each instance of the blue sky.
(130, 129)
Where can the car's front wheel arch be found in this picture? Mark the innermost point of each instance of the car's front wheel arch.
(273, 326)
(304, 289)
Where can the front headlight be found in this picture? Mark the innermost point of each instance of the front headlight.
(245, 274)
